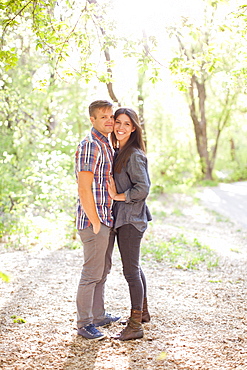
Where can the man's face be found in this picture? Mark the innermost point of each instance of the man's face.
(103, 120)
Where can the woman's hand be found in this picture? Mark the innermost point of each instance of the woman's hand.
(112, 188)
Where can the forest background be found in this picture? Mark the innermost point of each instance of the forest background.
(183, 67)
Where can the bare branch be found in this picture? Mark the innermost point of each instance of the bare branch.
(108, 59)
(147, 49)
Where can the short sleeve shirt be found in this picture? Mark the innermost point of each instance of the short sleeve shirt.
(94, 154)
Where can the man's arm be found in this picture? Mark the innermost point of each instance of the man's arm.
(113, 191)
(85, 180)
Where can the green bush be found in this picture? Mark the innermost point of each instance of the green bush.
(180, 252)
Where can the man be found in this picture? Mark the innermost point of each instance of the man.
(93, 166)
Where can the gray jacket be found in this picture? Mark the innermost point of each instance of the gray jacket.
(135, 183)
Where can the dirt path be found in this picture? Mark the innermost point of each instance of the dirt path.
(228, 199)
(199, 317)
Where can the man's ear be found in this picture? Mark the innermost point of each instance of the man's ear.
(92, 120)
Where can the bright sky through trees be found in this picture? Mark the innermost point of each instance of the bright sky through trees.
(132, 16)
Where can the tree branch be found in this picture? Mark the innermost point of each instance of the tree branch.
(12, 19)
(147, 49)
(108, 59)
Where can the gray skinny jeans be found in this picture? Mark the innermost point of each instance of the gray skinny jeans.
(97, 264)
(129, 241)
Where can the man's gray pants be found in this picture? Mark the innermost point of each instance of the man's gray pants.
(97, 264)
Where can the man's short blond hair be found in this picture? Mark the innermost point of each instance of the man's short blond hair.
(98, 104)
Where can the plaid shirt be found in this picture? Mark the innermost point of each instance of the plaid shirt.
(95, 154)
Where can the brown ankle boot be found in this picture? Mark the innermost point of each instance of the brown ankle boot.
(133, 330)
(145, 314)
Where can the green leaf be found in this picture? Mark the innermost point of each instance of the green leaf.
(4, 277)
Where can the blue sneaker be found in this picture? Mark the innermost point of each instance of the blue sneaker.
(107, 320)
(90, 332)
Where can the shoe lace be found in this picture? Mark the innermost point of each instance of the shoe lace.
(92, 329)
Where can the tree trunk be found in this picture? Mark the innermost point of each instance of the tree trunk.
(233, 150)
(141, 106)
(200, 125)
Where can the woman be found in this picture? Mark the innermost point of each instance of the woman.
(129, 192)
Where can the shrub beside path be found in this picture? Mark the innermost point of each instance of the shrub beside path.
(199, 316)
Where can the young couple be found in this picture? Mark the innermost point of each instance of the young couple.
(96, 188)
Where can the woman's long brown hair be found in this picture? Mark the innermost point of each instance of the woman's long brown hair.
(135, 139)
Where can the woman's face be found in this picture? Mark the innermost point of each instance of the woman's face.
(123, 128)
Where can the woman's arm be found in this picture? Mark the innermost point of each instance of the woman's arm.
(138, 174)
